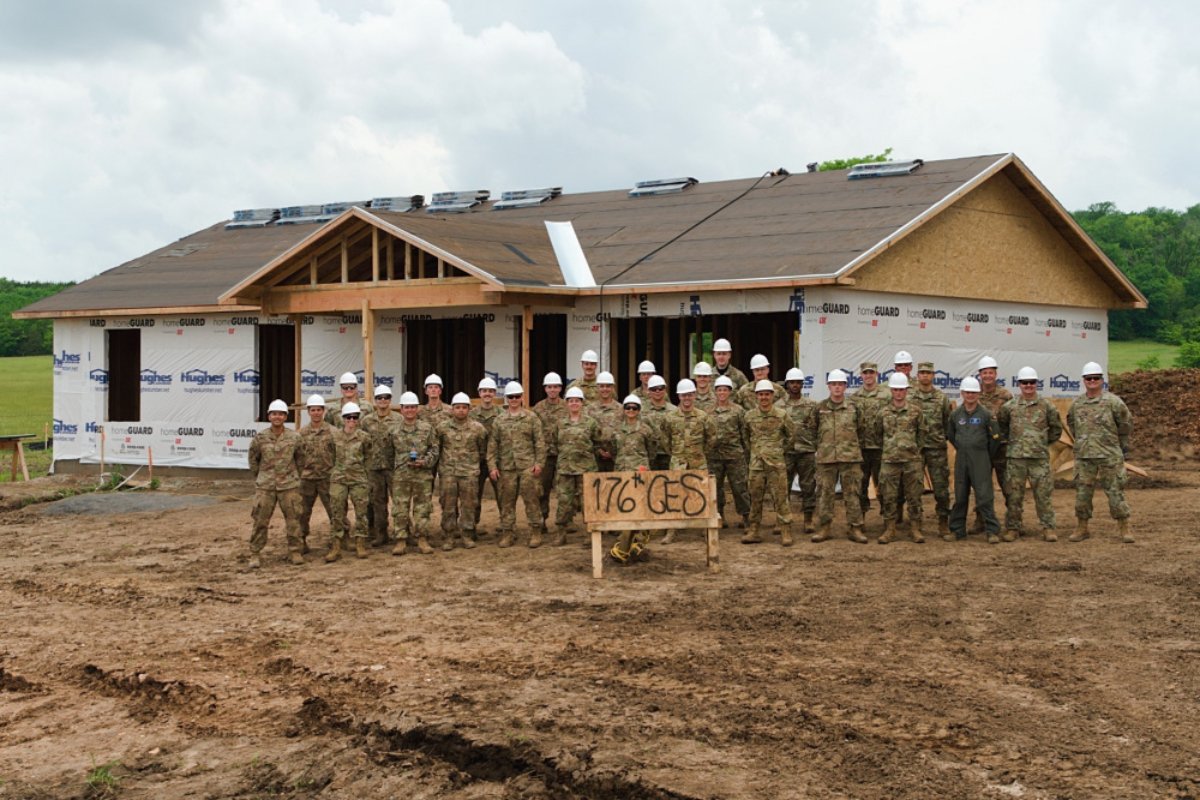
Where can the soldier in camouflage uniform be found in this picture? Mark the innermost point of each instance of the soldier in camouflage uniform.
(589, 362)
(975, 436)
(632, 442)
(837, 429)
(348, 384)
(702, 374)
(550, 411)
(992, 396)
(516, 453)
(463, 444)
(435, 412)
(275, 459)
(692, 433)
(898, 427)
(935, 407)
(722, 358)
(760, 367)
(317, 446)
(802, 455)
(645, 372)
(607, 412)
(1029, 424)
(349, 482)
(381, 461)
(727, 456)
(771, 435)
(654, 414)
(1101, 425)
(416, 446)
(485, 414)
(576, 437)
(870, 399)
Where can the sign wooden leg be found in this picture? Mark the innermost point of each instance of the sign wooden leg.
(21, 459)
(597, 554)
(714, 545)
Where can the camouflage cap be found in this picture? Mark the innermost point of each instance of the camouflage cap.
(868, 365)
(925, 366)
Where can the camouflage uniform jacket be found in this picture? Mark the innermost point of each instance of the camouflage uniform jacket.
(382, 454)
(706, 401)
(333, 410)
(609, 415)
(633, 444)
(838, 432)
(692, 435)
(871, 403)
(771, 435)
(733, 373)
(275, 461)
(352, 454)
(748, 398)
(576, 442)
(463, 447)
(655, 417)
(993, 400)
(643, 395)
(517, 442)
(935, 407)
(435, 416)
(900, 429)
(317, 444)
(485, 416)
(418, 437)
(589, 389)
(731, 440)
(551, 414)
(1101, 427)
(803, 412)
(1029, 427)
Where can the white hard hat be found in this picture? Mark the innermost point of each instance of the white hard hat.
(794, 374)
(987, 362)
(685, 386)
(409, 399)
(647, 366)
(277, 405)
(969, 384)
(575, 392)
(631, 398)
(460, 399)
(836, 376)
(898, 380)
(487, 383)
(433, 378)
(724, 380)
(903, 357)
(552, 379)
(702, 368)
(351, 408)
(722, 346)
(348, 377)
(655, 381)
(759, 361)
(590, 356)
(1027, 374)
(605, 379)
(513, 388)
(1092, 368)
(383, 391)
(316, 400)
(764, 386)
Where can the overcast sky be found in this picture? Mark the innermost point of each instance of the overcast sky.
(126, 124)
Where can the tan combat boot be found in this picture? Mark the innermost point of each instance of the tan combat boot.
(808, 522)
(296, 559)
(360, 547)
(304, 545)
(561, 538)
(506, 538)
(535, 538)
(468, 540)
(915, 531)
(1081, 530)
(669, 537)
(785, 535)
(752, 536)
(822, 534)
(1048, 535)
(855, 534)
(335, 551)
(255, 562)
(944, 529)
(889, 532)
(1126, 533)
(1011, 535)
(423, 545)
(401, 547)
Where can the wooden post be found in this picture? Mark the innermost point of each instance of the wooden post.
(375, 255)
(101, 452)
(150, 462)
(526, 330)
(312, 271)
(408, 248)
(713, 554)
(345, 260)
(297, 388)
(597, 553)
(391, 257)
(45, 435)
(368, 334)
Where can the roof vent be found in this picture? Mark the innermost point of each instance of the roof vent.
(885, 169)
(456, 202)
(524, 198)
(253, 218)
(661, 186)
(411, 203)
(301, 215)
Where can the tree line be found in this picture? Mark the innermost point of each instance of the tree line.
(25, 337)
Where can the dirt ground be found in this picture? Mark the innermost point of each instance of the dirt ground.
(138, 652)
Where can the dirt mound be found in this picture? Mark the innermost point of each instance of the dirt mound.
(1166, 412)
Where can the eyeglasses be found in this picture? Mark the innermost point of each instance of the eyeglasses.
(1093, 377)
(1027, 383)
(658, 388)
(633, 408)
(349, 416)
(348, 386)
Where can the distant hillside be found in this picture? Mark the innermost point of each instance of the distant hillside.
(25, 337)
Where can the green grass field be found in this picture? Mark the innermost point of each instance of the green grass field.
(27, 406)
(1125, 356)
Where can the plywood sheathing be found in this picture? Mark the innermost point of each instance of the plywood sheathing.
(992, 244)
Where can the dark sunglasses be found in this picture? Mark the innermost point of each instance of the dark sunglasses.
(1093, 377)
(658, 388)
(632, 407)
(350, 416)
(1027, 383)
(348, 386)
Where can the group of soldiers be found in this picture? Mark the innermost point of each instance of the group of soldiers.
(755, 436)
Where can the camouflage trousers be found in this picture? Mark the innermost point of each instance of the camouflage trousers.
(901, 482)
(460, 504)
(872, 463)
(412, 502)
(485, 477)
(265, 501)
(1037, 470)
(569, 490)
(342, 495)
(1092, 472)
(310, 491)
(380, 493)
(732, 470)
(526, 485)
(775, 481)
(549, 485)
(828, 475)
(938, 465)
(803, 467)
